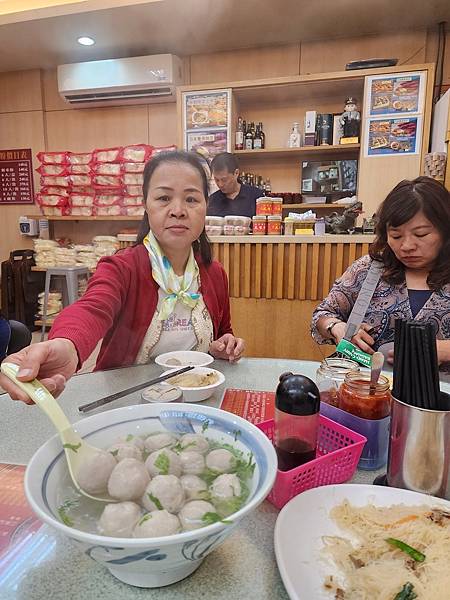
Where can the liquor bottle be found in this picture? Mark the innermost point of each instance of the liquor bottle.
(295, 136)
(257, 142)
(249, 138)
(267, 187)
(242, 177)
(239, 135)
(263, 135)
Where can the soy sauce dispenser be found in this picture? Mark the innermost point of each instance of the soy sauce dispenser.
(297, 404)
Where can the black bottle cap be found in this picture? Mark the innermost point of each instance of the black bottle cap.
(297, 395)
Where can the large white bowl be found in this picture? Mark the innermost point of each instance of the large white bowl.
(186, 358)
(149, 562)
(198, 394)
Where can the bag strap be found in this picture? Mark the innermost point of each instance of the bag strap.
(363, 299)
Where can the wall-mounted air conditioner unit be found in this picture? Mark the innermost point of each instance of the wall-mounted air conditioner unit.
(137, 80)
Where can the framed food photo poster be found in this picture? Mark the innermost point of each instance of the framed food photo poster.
(399, 94)
(393, 136)
(207, 121)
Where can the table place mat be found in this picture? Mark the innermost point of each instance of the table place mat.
(253, 405)
(17, 521)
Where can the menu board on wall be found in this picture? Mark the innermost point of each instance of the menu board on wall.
(206, 121)
(393, 136)
(400, 94)
(16, 176)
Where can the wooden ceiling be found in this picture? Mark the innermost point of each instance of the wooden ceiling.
(45, 37)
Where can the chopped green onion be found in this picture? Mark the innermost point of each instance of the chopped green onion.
(155, 501)
(73, 447)
(412, 552)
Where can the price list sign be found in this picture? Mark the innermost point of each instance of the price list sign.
(16, 176)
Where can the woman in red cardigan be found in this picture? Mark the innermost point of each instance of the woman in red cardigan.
(165, 293)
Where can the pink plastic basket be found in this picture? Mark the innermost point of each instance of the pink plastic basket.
(338, 453)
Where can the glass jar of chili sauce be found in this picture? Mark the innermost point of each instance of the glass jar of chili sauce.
(359, 397)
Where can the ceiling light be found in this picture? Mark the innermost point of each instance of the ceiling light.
(86, 41)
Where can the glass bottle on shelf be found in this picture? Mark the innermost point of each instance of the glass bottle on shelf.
(249, 138)
(263, 135)
(267, 187)
(239, 135)
(257, 142)
(295, 136)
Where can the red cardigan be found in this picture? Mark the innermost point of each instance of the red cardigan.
(119, 304)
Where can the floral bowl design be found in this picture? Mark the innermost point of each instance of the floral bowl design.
(150, 562)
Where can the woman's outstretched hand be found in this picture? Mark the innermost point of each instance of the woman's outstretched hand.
(227, 347)
(52, 362)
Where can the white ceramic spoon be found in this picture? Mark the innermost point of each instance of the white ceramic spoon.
(76, 449)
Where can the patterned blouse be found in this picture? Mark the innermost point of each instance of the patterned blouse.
(389, 302)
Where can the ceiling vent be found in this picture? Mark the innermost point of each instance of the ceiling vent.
(137, 80)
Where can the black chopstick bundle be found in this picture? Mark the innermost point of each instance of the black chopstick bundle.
(416, 370)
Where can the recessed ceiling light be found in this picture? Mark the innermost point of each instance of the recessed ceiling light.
(86, 41)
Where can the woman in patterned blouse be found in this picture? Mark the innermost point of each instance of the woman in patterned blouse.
(413, 243)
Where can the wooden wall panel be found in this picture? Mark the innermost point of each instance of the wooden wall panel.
(276, 328)
(85, 129)
(18, 130)
(20, 91)
(324, 56)
(250, 63)
(162, 124)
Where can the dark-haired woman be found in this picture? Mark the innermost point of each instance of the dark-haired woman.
(165, 293)
(413, 243)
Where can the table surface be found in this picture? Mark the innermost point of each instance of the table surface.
(243, 566)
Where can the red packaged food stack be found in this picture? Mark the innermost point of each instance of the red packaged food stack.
(52, 170)
(136, 153)
(79, 158)
(107, 154)
(53, 158)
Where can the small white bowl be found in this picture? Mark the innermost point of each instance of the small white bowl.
(198, 394)
(186, 358)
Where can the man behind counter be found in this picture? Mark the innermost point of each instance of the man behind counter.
(232, 197)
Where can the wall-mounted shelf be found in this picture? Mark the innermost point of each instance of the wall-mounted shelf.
(308, 206)
(79, 218)
(301, 152)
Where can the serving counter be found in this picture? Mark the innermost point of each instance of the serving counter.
(277, 281)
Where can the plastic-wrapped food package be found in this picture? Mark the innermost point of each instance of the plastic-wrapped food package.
(136, 153)
(55, 211)
(133, 167)
(133, 179)
(44, 252)
(107, 168)
(81, 200)
(217, 221)
(132, 200)
(79, 158)
(107, 154)
(52, 158)
(105, 245)
(82, 211)
(52, 189)
(46, 169)
(237, 220)
(54, 304)
(107, 199)
(134, 211)
(213, 229)
(108, 211)
(58, 181)
(133, 190)
(80, 180)
(51, 200)
(107, 181)
(158, 149)
(65, 257)
(79, 169)
(86, 256)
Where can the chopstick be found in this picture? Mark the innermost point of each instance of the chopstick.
(107, 399)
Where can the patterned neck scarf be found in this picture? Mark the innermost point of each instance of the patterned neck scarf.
(174, 286)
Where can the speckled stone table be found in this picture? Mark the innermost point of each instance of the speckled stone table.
(243, 567)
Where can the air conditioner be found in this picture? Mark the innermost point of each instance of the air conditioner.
(136, 80)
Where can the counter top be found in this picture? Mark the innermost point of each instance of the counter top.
(243, 567)
(328, 238)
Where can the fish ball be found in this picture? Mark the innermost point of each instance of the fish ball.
(225, 487)
(163, 462)
(158, 441)
(128, 480)
(194, 441)
(192, 463)
(194, 487)
(192, 513)
(122, 450)
(132, 439)
(164, 491)
(221, 460)
(119, 520)
(93, 474)
(157, 523)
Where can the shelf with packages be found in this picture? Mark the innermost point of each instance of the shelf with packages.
(81, 218)
(303, 152)
(306, 206)
(49, 322)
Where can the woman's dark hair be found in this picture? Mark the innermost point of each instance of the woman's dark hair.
(402, 204)
(201, 246)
